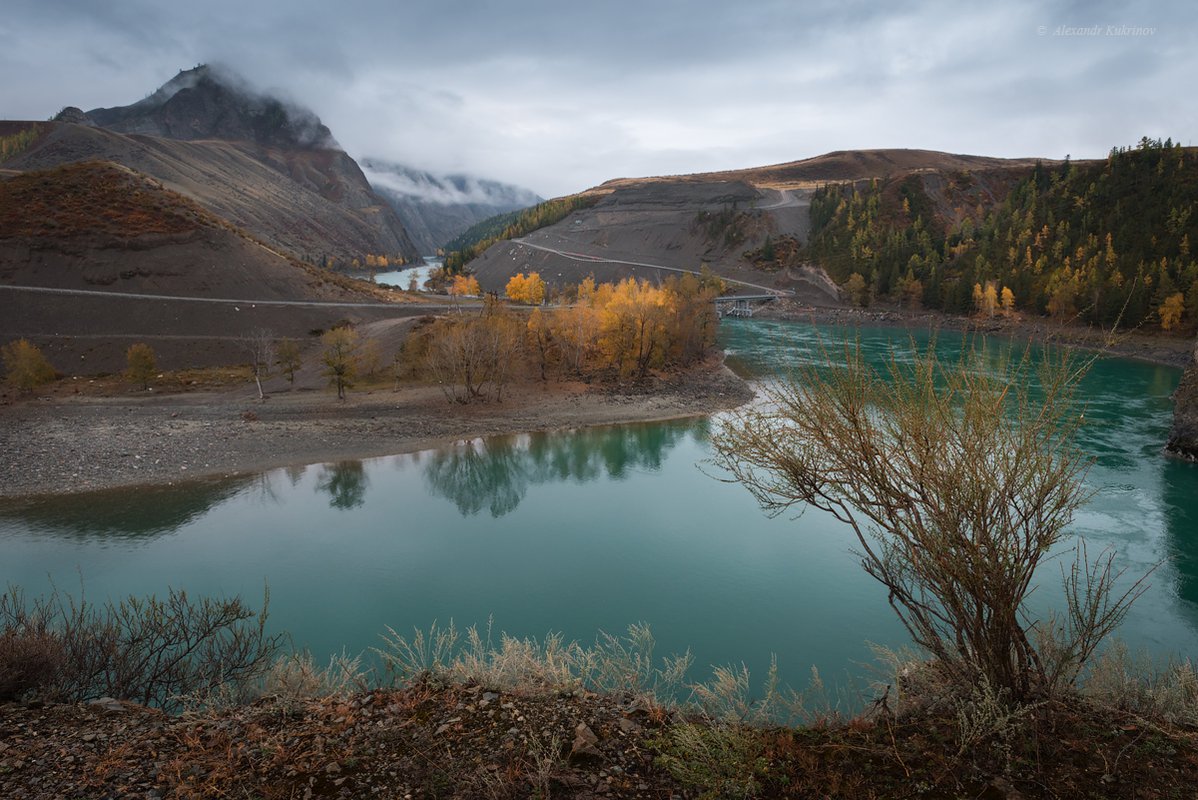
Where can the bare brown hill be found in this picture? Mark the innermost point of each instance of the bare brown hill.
(311, 203)
(656, 229)
(97, 234)
(841, 166)
(746, 225)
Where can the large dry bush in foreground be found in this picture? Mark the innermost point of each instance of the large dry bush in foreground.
(958, 480)
(154, 651)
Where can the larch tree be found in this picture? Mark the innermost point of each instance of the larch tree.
(140, 364)
(989, 299)
(25, 367)
(1171, 311)
(287, 354)
(1008, 301)
(856, 289)
(340, 358)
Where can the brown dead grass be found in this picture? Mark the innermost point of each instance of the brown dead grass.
(93, 198)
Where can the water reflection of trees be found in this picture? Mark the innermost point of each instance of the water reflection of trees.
(345, 482)
(495, 473)
(144, 512)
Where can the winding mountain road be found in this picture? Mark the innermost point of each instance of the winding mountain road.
(415, 307)
(786, 200)
(600, 260)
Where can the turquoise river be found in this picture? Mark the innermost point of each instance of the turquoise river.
(592, 530)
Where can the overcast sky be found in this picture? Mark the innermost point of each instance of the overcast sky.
(559, 96)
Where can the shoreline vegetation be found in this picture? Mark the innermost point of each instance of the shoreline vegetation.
(66, 441)
(456, 714)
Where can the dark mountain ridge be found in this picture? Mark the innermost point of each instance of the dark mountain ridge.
(210, 102)
(268, 166)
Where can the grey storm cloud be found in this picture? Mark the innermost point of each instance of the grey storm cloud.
(558, 96)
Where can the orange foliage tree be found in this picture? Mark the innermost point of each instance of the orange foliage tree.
(526, 288)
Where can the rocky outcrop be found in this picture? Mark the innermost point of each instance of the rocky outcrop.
(213, 103)
(1183, 438)
(74, 116)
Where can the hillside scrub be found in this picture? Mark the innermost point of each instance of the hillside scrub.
(481, 715)
(1102, 243)
(141, 364)
(25, 366)
(957, 481)
(14, 144)
(93, 198)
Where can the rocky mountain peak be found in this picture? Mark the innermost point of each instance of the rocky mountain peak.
(213, 102)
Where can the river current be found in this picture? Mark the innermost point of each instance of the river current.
(594, 529)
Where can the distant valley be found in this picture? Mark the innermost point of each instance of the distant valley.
(436, 208)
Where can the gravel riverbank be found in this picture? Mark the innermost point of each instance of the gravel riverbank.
(61, 444)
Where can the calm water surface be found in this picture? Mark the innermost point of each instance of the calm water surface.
(591, 530)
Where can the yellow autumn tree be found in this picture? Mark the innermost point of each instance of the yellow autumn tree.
(540, 338)
(340, 358)
(574, 330)
(856, 289)
(516, 287)
(24, 365)
(989, 299)
(1008, 301)
(1171, 310)
(526, 288)
(632, 326)
(464, 286)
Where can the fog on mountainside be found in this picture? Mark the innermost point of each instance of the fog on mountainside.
(213, 102)
(436, 208)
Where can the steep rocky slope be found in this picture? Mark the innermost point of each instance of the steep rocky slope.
(1183, 438)
(267, 166)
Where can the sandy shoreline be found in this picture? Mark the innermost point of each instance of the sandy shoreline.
(67, 445)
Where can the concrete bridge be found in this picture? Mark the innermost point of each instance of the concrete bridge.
(741, 305)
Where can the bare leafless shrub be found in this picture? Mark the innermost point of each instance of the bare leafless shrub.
(29, 660)
(150, 650)
(472, 357)
(259, 346)
(957, 481)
